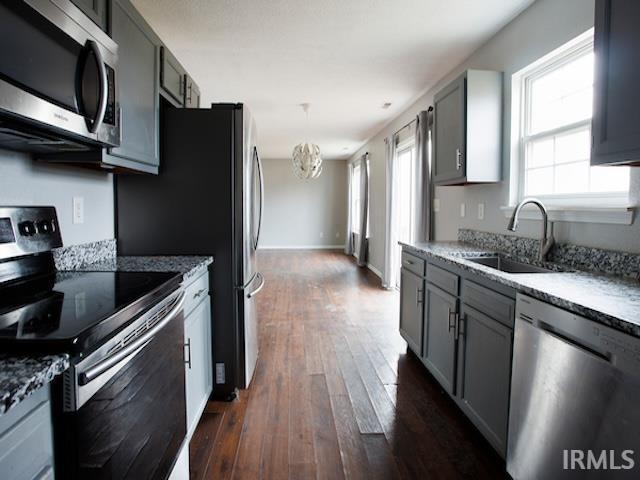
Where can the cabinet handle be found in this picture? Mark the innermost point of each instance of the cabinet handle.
(188, 359)
(458, 159)
(452, 325)
(419, 296)
(459, 331)
(408, 262)
(199, 292)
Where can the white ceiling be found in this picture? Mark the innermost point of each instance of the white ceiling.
(345, 57)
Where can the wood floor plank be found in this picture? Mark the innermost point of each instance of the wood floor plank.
(352, 448)
(200, 451)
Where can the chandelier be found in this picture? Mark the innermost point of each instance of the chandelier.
(307, 162)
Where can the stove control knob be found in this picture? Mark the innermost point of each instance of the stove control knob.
(27, 228)
(44, 226)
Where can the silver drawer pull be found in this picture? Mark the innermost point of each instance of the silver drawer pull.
(188, 359)
(408, 262)
(199, 293)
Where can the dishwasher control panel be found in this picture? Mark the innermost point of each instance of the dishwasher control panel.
(611, 345)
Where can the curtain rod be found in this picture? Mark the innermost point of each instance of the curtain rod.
(406, 125)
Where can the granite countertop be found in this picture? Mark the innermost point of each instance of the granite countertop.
(22, 375)
(188, 265)
(607, 299)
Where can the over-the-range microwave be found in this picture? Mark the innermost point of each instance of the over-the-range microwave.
(57, 79)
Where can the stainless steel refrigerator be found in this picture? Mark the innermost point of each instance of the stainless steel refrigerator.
(206, 200)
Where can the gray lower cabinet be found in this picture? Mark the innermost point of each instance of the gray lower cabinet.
(484, 374)
(411, 309)
(197, 334)
(26, 439)
(96, 10)
(439, 337)
(137, 89)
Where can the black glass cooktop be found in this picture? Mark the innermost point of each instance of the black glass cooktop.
(74, 311)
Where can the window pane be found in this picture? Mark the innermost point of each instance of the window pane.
(540, 153)
(539, 181)
(562, 95)
(573, 146)
(572, 178)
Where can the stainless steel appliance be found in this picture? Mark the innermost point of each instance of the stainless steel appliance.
(57, 79)
(119, 410)
(574, 394)
(207, 200)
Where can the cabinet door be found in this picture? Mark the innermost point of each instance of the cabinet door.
(439, 341)
(411, 309)
(484, 374)
(191, 93)
(171, 77)
(96, 10)
(198, 368)
(449, 133)
(616, 115)
(137, 86)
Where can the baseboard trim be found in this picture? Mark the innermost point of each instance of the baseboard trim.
(377, 272)
(302, 247)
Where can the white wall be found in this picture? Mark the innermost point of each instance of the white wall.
(304, 213)
(544, 26)
(26, 182)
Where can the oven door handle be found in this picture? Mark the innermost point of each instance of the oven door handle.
(132, 349)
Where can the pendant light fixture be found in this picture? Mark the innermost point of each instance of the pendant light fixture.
(307, 162)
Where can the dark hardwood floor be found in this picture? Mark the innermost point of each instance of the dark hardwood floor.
(335, 393)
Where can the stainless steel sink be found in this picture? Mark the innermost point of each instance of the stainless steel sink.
(509, 266)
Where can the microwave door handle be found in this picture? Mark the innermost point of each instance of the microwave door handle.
(104, 87)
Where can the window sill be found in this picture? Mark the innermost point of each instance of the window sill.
(617, 215)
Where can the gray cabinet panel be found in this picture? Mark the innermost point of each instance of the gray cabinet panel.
(413, 264)
(26, 439)
(443, 279)
(616, 114)
(172, 76)
(439, 338)
(199, 375)
(137, 86)
(96, 10)
(449, 128)
(411, 309)
(497, 306)
(484, 374)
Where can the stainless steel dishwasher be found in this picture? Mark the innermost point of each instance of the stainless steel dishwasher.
(575, 397)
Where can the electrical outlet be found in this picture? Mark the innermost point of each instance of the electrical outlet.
(78, 210)
(337, 234)
(436, 204)
(481, 211)
(220, 375)
(321, 234)
(463, 210)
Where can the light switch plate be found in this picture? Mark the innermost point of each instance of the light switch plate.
(78, 210)
(436, 204)
(463, 210)
(481, 211)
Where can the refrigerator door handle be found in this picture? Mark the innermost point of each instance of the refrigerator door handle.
(261, 209)
(253, 293)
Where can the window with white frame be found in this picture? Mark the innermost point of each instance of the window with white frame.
(556, 96)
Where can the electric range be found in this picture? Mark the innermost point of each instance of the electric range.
(124, 332)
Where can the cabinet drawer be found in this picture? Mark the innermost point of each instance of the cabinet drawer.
(195, 292)
(412, 263)
(492, 304)
(447, 281)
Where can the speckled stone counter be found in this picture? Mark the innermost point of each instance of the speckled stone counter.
(189, 266)
(22, 375)
(610, 300)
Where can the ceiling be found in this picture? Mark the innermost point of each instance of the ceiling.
(344, 57)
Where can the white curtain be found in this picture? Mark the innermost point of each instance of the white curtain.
(423, 230)
(389, 272)
(362, 240)
(348, 241)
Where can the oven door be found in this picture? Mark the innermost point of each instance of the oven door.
(57, 78)
(125, 413)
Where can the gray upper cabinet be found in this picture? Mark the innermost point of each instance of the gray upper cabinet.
(137, 88)
(172, 77)
(411, 309)
(467, 139)
(484, 374)
(439, 335)
(96, 10)
(191, 93)
(616, 113)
